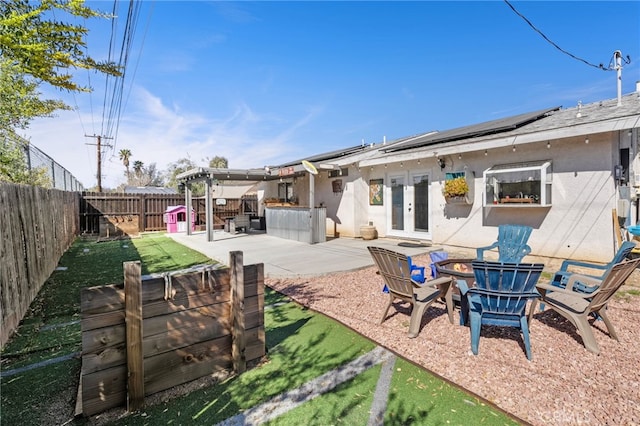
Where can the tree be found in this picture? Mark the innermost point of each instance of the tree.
(138, 166)
(20, 100)
(36, 48)
(181, 166)
(218, 162)
(125, 154)
(14, 167)
(145, 176)
(46, 49)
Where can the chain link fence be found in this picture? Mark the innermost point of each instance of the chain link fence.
(36, 159)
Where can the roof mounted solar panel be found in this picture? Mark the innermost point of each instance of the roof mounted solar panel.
(474, 130)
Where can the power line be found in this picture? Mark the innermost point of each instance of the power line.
(600, 66)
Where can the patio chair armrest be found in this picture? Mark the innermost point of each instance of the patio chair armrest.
(462, 286)
(582, 281)
(437, 281)
(567, 263)
(480, 250)
(542, 288)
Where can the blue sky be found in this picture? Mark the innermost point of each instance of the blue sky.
(262, 83)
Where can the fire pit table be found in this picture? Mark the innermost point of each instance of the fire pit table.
(460, 269)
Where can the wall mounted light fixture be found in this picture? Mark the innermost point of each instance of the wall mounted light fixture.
(586, 140)
(548, 144)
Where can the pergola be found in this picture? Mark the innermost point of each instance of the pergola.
(238, 178)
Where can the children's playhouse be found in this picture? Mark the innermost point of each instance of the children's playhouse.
(176, 219)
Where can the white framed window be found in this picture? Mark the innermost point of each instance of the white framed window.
(526, 184)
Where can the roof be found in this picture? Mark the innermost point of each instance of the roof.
(558, 123)
(328, 156)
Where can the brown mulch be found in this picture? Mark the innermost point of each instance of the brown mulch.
(563, 384)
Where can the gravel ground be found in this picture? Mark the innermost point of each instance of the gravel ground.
(563, 384)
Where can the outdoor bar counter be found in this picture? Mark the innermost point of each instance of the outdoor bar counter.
(304, 224)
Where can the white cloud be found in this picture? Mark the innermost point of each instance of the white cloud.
(157, 133)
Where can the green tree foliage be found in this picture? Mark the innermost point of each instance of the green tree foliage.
(124, 155)
(145, 175)
(20, 100)
(181, 166)
(13, 164)
(218, 162)
(47, 49)
(37, 48)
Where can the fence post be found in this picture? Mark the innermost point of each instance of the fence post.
(142, 223)
(238, 338)
(133, 324)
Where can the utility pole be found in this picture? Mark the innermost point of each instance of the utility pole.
(99, 147)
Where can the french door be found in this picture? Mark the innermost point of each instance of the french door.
(408, 211)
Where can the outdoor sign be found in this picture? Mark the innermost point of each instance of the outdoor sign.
(286, 171)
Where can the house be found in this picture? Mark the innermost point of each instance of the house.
(560, 170)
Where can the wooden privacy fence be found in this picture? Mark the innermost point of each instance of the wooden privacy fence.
(156, 332)
(37, 225)
(104, 212)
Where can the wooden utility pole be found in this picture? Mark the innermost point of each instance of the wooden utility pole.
(99, 146)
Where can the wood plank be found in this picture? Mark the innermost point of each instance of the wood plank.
(115, 317)
(237, 311)
(104, 389)
(187, 364)
(101, 299)
(107, 358)
(255, 343)
(133, 320)
(105, 347)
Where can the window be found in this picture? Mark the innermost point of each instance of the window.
(285, 192)
(518, 185)
(338, 173)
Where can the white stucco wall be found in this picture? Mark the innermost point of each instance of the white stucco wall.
(577, 225)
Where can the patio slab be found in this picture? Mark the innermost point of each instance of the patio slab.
(284, 258)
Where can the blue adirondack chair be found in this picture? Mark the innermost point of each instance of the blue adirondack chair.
(500, 297)
(511, 244)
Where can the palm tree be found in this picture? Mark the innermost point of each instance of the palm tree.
(137, 168)
(125, 154)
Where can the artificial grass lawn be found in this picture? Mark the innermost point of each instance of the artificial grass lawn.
(301, 345)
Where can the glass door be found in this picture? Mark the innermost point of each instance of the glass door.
(421, 202)
(409, 208)
(397, 203)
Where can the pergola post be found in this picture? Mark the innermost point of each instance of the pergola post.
(187, 204)
(209, 207)
(312, 186)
